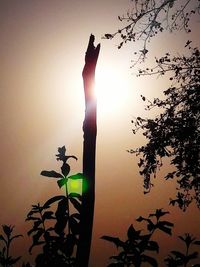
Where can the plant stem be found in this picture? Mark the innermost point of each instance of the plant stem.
(66, 192)
(7, 251)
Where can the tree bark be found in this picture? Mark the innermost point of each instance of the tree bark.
(89, 149)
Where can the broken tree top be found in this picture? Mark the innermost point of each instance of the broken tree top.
(92, 52)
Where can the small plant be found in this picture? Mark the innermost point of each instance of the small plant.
(133, 250)
(58, 246)
(57, 229)
(178, 258)
(5, 259)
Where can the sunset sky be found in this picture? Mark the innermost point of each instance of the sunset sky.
(42, 50)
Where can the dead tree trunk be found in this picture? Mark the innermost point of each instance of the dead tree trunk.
(89, 148)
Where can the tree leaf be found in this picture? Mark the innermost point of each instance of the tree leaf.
(53, 200)
(69, 244)
(108, 36)
(178, 254)
(132, 233)
(36, 238)
(150, 260)
(159, 213)
(32, 212)
(74, 226)
(31, 218)
(167, 223)
(48, 215)
(76, 216)
(62, 182)
(12, 261)
(51, 174)
(164, 228)
(34, 229)
(7, 229)
(140, 219)
(115, 240)
(75, 203)
(72, 157)
(60, 225)
(62, 216)
(65, 169)
(38, 235)
(62, 209)
(37, 223)
(77, 176)
(75, 195)
(153, 245)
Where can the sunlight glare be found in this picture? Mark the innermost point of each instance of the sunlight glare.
(111, 90)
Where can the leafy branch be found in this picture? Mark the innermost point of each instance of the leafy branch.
(147, 18)
(175, 133)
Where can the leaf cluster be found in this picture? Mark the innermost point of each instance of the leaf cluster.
(65, 168)
(147, 18)
(177, 258)
(55, 227)
(135, 250)
(175, 132)
(55, 230)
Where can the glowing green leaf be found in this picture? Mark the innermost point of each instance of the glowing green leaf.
(76, 176)
(62, 182)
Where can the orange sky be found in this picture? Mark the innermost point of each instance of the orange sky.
(42, 107)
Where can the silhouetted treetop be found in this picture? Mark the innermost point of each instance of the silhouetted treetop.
(175, 133)
(147, 18)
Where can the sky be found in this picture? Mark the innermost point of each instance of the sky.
(42, 50)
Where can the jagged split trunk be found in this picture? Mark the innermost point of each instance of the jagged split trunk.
(89, 149)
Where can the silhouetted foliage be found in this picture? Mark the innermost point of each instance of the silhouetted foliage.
(7, 238)
(148, 18)
(178, 258)
(175, 133)
(65, 168)
(55, 227)
(57, 243)
(135, 250)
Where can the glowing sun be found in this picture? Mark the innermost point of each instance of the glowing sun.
(110, 89)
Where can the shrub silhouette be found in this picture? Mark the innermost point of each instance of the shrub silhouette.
(55, 228)
(177, 258)
(57, 231)
(7, 238)
(133, 250)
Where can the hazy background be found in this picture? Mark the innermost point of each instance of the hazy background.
(42, 107)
